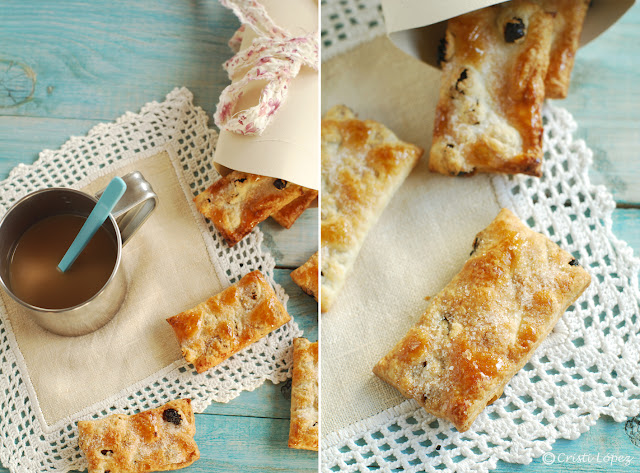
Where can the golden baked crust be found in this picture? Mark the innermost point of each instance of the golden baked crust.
(239, 201)
(288, 214)
(306, 276)
(303, 430)
(363, 164)
(488, 117)
(228, 322)
(155, 440)
(568, 18)
(486, 323)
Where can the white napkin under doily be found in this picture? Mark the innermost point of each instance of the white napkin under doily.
(46, 388)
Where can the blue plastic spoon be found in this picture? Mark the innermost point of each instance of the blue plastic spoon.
(96, 218)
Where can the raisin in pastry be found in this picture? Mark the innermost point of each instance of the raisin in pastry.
(239, 201)
(155, 440)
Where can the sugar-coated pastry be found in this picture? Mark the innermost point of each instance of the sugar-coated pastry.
(288, 214)
(363, 164)
(240, 315)
(303, 430)
(239, 201)
(486, 323)
(306, 276)
(568, 18)
(489, 112)
(155, 440)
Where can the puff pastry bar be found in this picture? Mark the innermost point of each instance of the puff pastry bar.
(488, 117)
(568, 18)
(486, 323)
(239, 201)
(363, 164)
(228, 322)
(154, 440)
(288, 214)
(303, 430)
(306, 276)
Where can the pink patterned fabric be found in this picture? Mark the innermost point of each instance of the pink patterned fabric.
(274, 56)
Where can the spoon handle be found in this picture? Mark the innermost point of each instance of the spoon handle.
(96, 218)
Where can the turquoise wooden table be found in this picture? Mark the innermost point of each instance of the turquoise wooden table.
(67, 66)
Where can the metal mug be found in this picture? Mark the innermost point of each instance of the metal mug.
(130, 213)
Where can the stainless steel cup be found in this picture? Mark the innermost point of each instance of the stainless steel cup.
(130, 213)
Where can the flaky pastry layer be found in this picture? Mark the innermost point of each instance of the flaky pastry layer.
(239, 201)
(155, 440)
(226, 323)
(303, 430)
(489, 112)
(306, 276)
(486, 323)
(363, 164)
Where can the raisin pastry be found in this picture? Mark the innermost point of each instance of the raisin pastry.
(155, 440)
(218, 328)
(306, 276)
(239, 201)
(486, 323)
(568, 18)
(288, 214)
(303, 430)
(488, 117)
(363, 164)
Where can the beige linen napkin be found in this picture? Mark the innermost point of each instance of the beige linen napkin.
(420, 242)
(168, 270)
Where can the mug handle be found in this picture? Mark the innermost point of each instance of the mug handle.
(135, 206)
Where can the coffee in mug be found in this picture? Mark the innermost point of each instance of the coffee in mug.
(33, 272)
(45, 223)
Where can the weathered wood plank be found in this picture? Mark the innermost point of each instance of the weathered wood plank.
(96, 60)
(23, 138)
(292, 247)
(604, 99)
(626, 227)
(244, 444)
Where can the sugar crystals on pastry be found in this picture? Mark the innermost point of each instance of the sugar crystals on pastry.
(489, 112)
(155, 440)
(239, 201)
(226, 323)
(486, 323)
(303, 430)
(363, 164)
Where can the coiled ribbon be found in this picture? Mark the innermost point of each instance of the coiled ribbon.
(274, 56)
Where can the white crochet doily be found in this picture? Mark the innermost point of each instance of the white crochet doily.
(587, 367)
(27, 444)
(348, 23)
